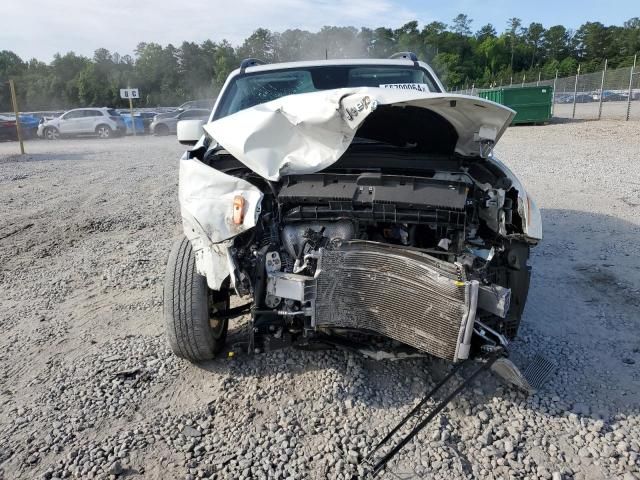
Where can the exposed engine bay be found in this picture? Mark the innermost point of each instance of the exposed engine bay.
(373, 219)
(369, 254)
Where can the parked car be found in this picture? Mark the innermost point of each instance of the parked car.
(139, 122)
(206, 104)
(354, 204)
(147, 119)
(608, 96)
(103, 122)
(8, 128)
(165, 124)
(568, 98)
(28, 125)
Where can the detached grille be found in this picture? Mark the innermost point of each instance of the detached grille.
(399, 293)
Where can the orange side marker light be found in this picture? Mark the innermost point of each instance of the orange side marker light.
(238, 209)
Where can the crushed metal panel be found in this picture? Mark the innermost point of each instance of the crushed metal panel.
(207, 208)
(494, 299)
(405, 295)
(207, 197)
(308, 132)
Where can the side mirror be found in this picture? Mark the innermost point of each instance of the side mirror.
(190, 131)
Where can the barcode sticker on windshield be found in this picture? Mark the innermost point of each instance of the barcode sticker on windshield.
(419, 87)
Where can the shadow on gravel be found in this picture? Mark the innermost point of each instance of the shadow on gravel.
(563, 120)
(581, 313)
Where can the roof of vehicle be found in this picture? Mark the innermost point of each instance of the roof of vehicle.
(406, 62)
(205, 110)
(331, 62)
(88, 108)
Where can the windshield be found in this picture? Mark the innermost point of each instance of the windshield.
(249, 90)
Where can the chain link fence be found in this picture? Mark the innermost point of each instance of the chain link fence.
(612, 94)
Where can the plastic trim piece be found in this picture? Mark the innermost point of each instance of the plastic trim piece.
(408, 55)
(250, 62)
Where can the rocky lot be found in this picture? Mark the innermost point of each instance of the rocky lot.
(89, 388)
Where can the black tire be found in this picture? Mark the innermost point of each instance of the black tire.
(193, 331)
(104, 131)
(161, 130)
(51, 133)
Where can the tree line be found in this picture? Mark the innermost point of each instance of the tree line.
(169, 75)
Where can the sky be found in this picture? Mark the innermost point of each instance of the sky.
(35, 28)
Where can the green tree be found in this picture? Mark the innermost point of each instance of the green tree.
(487, 31)
(260, 44)
(594, 42)
(514, 25)
(557, 41)
(432, 34)
(462, 24)
(94, 89)
(534, 35)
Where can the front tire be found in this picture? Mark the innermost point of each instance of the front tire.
(51, 133)
(190, 308)
(161, 130)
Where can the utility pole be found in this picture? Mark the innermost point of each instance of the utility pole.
(133, 120)
(14, 101)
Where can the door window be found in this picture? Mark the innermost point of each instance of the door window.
(72, 115)
(193, 114)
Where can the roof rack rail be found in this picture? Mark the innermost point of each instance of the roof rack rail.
(250, 62)
(408, 55)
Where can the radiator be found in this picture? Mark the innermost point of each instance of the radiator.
(400, 293)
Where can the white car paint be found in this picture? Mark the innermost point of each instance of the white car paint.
(206, 204)
(306, 133)
(527, 208)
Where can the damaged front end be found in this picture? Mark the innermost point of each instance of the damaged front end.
(370, 219)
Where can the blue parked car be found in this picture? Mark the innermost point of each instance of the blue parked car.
(139, 123)
(29, 124)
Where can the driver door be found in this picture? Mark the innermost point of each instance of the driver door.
(70, 122)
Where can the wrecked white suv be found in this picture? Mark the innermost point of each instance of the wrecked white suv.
(351, 203)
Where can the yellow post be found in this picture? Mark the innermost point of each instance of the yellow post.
(14, 101)
(133, 120)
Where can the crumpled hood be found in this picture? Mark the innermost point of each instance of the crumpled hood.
(308, 132)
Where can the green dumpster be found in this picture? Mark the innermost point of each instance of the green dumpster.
(532, 104)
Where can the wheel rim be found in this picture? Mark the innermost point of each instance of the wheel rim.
(52, 134)
(103, 132)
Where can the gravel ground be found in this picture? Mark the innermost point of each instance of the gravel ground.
(89, 389)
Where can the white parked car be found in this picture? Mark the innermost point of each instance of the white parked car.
(103, 122)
